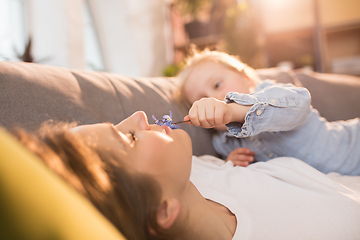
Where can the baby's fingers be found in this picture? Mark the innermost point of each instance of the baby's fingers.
(187, 120)
(241, 157)
(210, 116)
(197, 116)
(206, 116)
(193, 115)
(244, 151)
(202, 115)
(240, 163)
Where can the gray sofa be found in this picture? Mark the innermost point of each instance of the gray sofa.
(32, 93)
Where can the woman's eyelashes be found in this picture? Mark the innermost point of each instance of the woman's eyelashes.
(132, 136)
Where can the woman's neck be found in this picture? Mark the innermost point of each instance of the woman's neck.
(206, 219)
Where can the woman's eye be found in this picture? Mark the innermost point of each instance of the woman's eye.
(132, 136)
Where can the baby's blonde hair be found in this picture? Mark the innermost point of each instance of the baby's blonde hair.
(228, 61)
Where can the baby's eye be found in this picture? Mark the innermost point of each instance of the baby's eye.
(217, 85)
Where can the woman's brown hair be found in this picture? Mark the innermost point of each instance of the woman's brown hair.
(129, 200)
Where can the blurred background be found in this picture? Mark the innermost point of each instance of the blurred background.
(145, 38)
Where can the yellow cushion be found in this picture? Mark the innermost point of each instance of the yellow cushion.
(37, 204)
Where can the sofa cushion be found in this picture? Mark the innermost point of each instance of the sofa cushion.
(278, 74)
(336, 96)
(32, 93)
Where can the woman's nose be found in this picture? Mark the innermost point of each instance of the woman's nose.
(141, 119)
(137, 121)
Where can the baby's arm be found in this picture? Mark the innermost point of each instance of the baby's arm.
(210, 113)
(276, 107)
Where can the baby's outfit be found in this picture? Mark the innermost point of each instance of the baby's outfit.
(282, 122)
(280, 199)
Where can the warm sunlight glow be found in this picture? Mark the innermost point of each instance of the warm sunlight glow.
(277, 2)
(12, 29)
(286, 15)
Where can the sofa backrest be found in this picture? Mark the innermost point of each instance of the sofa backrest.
(335, 96)
(32, 93)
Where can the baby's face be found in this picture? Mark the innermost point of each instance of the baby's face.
(210, 79)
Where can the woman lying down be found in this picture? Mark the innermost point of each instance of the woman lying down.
(144, 179)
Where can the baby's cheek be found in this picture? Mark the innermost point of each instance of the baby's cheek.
(221, 127)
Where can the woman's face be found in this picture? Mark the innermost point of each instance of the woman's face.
(159, 151)
(211, 79)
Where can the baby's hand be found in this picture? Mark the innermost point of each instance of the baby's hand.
(241, 157)
(209, 113)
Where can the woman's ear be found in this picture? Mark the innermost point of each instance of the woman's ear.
(168, 212)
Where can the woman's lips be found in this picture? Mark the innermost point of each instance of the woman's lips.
(166, 128)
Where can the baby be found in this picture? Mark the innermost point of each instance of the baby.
(264, 119)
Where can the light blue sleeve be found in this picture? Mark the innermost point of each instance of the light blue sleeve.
(275, 107)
